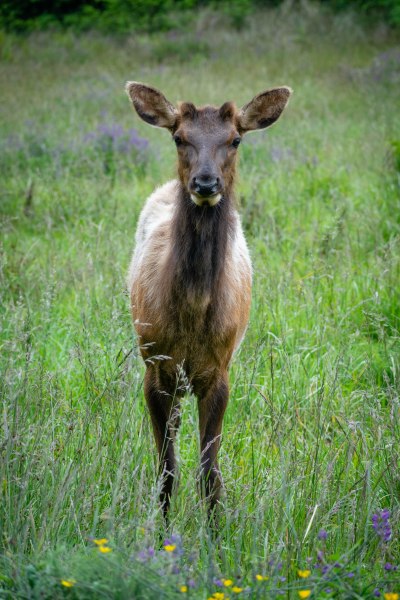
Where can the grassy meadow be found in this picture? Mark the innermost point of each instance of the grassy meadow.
(311, 441)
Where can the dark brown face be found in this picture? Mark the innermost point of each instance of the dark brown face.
(206, 140)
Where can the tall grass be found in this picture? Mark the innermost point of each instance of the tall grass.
(311, 435)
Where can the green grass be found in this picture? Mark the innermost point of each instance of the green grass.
(311, 436)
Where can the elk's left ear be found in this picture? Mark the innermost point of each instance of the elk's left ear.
(264, 109)
(151, 105)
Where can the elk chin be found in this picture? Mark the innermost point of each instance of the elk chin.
(206, 200)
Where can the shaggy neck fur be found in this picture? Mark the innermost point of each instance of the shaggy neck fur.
(199, 245)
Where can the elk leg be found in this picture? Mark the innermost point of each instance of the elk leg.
(212, 405)
(165, 419)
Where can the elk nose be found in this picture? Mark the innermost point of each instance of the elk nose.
(205, 185)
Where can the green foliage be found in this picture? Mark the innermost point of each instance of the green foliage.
(311, 436)
(387, 9)
(117, 15)
(151, 15)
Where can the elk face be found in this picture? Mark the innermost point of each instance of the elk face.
(207, 138)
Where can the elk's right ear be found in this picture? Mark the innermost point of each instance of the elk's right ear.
(151, 105)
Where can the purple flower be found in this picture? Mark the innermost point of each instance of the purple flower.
(113, 137)
(191, 583)
(325, 569)
(351, 574)
(322, 534)
(376, 593)
(381, 525)
(147, 554)
(389, 567)
(218, 582)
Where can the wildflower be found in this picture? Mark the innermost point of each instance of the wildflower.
(351, 574)
(381, 525)
(322, 534)
(68, 583)
(262, 577)
(391, 596)
(218, 582)
(227, 582)
(100, 542)
(146, 554)
(183, 588)
(101, 545)
(389, 567)
(303, 574)
(304, 594)
(217, 596)
(169, 547)
(325, 569)
(237, 589)
(377, 593)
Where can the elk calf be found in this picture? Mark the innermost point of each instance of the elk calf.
(190, 275)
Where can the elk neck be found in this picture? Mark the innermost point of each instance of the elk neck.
(200, 238)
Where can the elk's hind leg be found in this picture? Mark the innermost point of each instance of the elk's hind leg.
(162, 401)
(213, 400)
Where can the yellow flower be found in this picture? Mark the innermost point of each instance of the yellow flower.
(104, 549)
(68, 583)
(227, 582)
(262, 577)
(183, 588)
(217, 596)
(169, 547)
(304, 594)
(391, 596)
(237, 589)
(304, 574)
(100, 542)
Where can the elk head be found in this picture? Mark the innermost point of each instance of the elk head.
(207, 138)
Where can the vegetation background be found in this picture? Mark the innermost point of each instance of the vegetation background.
(311, 441)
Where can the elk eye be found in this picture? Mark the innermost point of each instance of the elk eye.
(236, 142)
(178, 140)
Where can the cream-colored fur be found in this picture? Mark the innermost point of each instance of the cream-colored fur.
(153, 239)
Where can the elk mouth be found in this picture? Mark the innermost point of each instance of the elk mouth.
(206, 200)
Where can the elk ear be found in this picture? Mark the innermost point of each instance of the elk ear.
(264, 109)
(151, 105)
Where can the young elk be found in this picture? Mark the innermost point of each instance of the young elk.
(190, 275)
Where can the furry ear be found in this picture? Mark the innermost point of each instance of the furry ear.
(227, 111)
(264, 109)
(151, 105)
(188, 110)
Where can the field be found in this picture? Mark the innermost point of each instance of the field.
(311, 441)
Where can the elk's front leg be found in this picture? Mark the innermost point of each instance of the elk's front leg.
(165, 419)
(213, 401)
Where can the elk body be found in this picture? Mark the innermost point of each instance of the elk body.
(190, 275)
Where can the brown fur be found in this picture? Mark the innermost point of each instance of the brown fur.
(191, 273)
